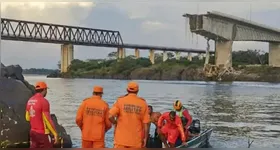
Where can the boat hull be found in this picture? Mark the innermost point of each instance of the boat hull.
(200, 141)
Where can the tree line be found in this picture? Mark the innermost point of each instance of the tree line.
(111, 65)
(248, 57)
(39, 71)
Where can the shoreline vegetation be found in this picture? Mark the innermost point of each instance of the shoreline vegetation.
(39, 71)
(250, 65)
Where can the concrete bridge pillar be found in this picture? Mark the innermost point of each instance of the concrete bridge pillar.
(274, 54)
(223, 53)
(124, 53)
(152, 56)
(164, 56)
(67, 55)
(189, 56)
(121, 53)
(137, 53)
(177, 55)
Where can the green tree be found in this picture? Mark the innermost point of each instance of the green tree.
(170, 55)
(59, 65)
(113, 55)
(124, 67)
(158, 57)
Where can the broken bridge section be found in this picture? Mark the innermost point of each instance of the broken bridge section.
(224, 29)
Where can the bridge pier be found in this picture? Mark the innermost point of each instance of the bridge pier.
(223, 53)
(274, 54)
(67, 55)
(152, 56)
(164, 56)
(121, 53)
(189, 56)
(137, 53)
(177, 55)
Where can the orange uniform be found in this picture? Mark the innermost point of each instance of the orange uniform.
(93, 119)
(132, 114)
(172, 129)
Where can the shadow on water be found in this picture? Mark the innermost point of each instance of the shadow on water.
(236, 111)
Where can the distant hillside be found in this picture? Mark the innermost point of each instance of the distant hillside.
(40, 71)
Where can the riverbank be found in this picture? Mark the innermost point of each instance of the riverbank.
(190, 73)
(247, 65)
(176, 71)
(38, 71)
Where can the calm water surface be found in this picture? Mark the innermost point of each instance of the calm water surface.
(236, 111)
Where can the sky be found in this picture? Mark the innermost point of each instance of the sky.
(149, 22)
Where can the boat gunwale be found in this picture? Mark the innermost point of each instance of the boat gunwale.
(205, 132)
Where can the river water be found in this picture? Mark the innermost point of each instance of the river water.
(236, 111)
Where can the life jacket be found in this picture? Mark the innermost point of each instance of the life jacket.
(180, 114)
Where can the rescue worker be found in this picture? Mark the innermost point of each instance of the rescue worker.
(93, 120)
(38, 115)
(133, 119)
(185, 116)
(171, 130)
(183, 113)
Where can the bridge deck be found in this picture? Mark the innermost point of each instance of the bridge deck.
(239, 20)
(20, 30)
(220, 26)
(243, 21)
(162, 48)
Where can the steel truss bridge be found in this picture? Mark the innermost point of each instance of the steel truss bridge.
(19, 30)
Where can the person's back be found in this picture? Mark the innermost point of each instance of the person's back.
(34, 107)
(130, 121)
(132, 114)
(92, 118)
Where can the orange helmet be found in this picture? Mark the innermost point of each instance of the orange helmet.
(177, 105)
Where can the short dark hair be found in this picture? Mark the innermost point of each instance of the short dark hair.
(172, 113)
(97, 93)
(132, 92)
(39, 90)
(151, 107)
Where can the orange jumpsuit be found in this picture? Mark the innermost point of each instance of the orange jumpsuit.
(132, 114)
(93, 119)
(172, 129)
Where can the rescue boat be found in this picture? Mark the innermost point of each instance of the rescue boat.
(200, 141)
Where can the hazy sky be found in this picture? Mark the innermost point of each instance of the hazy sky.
(151, 22)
